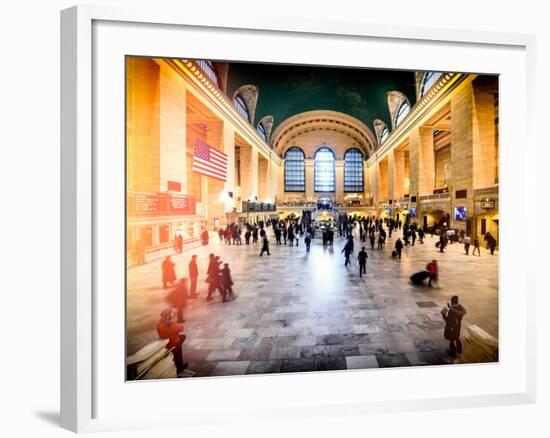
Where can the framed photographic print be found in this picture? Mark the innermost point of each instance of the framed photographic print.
(273, 218)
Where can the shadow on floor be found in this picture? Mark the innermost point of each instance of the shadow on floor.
(51, 417)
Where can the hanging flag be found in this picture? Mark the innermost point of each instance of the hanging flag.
(208, 160)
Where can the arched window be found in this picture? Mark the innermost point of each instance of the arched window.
(295, 171)
(324, 176)
(430, 78)
(353, 171)
(385, 134)
(241, 107)
(208, 67)
(261, 131)
(402, 113)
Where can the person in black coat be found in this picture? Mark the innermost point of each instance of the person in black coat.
(442, 242)
(421, 235)
(398, 247)
(168, 272)
(372, 240)
(227, 283)
(265, 247)
(362, 257)
(307, 241)
(213, 276)
(453, 320)
(178, 298)
(347, 252)
(193, 276)
(290, 235)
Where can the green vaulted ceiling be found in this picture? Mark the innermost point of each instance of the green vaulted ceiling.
(286, 90)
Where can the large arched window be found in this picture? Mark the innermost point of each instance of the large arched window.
(261, 132)
(385, 134)
(430, 78)
(402, 113)
(324, 176)
(295, 172)
(353, 171)
(240, 106)
(208, 67)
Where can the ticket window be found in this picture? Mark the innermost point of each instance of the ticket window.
(147, 236)
(164, 233)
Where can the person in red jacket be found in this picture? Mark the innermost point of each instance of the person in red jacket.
(433, 270)
(167, 329)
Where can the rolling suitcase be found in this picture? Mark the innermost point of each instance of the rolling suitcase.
(419, 277)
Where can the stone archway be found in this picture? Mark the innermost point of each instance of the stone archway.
(357, 133)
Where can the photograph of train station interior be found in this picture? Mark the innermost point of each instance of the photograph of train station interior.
(294, 218)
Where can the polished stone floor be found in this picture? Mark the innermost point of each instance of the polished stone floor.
(307, 312)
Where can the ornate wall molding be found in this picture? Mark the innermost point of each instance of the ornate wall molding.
(379, 126)
(324, 120)
(249, 93)
(267, 123)
(395, 100)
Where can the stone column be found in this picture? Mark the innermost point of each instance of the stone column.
(374, 177)
(484, 137)
(383, 180)
(339, 172)
(215, 188)
(399, 174)
(249, 172)
(263, 176)
(279, 172)
(422, 162)
(366, 183)
(310, 189)
(463, 137)
(143, 126)
(173, 117)
(229, 149)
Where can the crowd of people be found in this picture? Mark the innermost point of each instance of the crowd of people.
(369, 230)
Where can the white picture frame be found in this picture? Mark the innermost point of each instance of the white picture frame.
(85, 177)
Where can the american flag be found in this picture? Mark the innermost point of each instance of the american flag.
(209, 161)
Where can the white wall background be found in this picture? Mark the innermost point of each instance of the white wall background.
(29, 217)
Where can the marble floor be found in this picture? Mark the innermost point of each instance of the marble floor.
(307, 312)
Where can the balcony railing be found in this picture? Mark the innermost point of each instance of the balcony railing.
(435, 197)
(257, 207)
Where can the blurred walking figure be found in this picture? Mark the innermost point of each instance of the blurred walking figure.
(467, 241)
(265, 247)
(168, 272)
(380, 241)
(491, 242)
(140, 252)
(166, 329)
(213, 276)
(347, 252)
(442, 242)
(178, 298)
(476, 246)
(398, 247)
(227, 283)
(421, 235)
(453, 315)
(307, 241)
(193, 276)
(433, 270)
(179, 243)
(362, 257)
